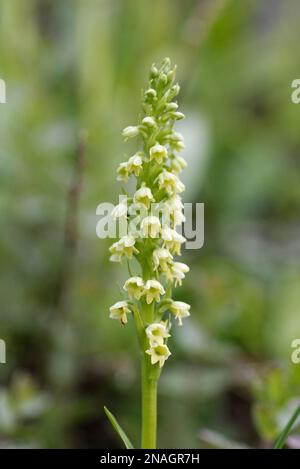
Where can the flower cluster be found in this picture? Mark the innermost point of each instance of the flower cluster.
(154, 240)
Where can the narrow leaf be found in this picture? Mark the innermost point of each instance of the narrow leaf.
(118, 429)
(281, 439)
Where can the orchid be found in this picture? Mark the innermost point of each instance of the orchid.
(153, 241)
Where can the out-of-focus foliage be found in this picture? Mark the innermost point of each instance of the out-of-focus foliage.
(79, 65)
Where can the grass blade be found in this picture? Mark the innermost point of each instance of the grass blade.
(118, 429)
(281, 439)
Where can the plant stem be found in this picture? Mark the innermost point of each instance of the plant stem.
(149, 406)
(149, 374)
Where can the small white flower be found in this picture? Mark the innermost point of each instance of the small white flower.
(150, 227)
(120, 211)
(162, 258)
(135, 287)
(176, 141)
(158, 153)
(156, 333)
(178, 271)
(172, 240)
(153, 290)
(180, 310)
(143, 196)
(159, 354)
(123, 247)
(135, 164)
(119, 311)
(170, 183)
(130, 131)
(123, 172)
(175, 203)
(178, 164)
(149, 121)
(174, 206)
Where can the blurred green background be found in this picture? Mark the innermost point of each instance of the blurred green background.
(77, 67)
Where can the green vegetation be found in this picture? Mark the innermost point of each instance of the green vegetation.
(73, 71)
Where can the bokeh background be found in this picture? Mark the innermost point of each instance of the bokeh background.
(74, 71)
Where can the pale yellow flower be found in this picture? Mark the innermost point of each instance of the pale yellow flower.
(135, 287)
(175, 207)
(170, 183)
(123, 247)
(172, 240)
(176, 141)
(159, 354)
(178, 164)
(178, 271)
(119, 311)
(158, 153)
(135, 164)
(157, 333)
(180, 310)
(151, 227)
(120, 210)
(123, 172)
(153, 290)
(143, 196)
(162, 258)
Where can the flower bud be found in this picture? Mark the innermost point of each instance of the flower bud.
(163, 79)
(153, 72)
(171, 107)
(150, 94)
(149, 121)
(177, 115)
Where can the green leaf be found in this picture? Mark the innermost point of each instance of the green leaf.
(118, 429)
(281, 439)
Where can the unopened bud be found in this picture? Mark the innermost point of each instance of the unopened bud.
(150, 94)
(153, 72)
(130, 131)
(177, 115)
(149, 121)
(163, 79)
(171, 107)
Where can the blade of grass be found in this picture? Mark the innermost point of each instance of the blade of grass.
(282, 437)
(118, 429)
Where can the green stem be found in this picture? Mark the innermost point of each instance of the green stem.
(149, 373)
(149, 406)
